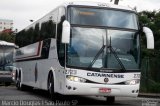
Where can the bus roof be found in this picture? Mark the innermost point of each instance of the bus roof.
(4, 44)
(98, 4)
(85, 3)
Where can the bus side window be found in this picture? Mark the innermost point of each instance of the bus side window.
(48, 26)
(60, 46)
(45, 48)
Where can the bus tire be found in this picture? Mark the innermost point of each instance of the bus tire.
(50, 85)
(18, 80)
(110, 99)
(19, 84)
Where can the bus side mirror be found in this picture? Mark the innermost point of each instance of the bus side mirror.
(65, 32)
(149, 36)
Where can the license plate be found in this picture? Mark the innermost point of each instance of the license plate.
(104, 90)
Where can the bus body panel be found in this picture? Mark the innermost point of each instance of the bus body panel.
(35, 71)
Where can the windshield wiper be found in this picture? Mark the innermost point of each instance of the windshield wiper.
(116, 56)
(97, 55)
(99, 52)
(112, 50)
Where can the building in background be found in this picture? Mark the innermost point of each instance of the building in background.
(6, 25)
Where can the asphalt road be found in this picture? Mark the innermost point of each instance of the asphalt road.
(10, 96)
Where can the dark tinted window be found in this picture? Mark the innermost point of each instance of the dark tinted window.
(43, 29)
(60, 46)
(103, 17)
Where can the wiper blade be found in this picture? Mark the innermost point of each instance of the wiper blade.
(115, 54)
(97, 55)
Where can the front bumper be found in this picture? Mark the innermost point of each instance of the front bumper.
(87, 89)
(6, 78)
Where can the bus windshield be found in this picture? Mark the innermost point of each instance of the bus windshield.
(103, 17)
(86, 48)
(6, 59)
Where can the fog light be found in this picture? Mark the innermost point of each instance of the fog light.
(74, 88)
(69, 87)
(132, 82)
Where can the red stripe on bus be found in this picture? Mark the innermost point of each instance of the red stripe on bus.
(27, 57)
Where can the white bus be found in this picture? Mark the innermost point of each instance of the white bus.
(6, 62)
(83, 48)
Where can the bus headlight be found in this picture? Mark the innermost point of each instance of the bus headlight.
(132, 82)
(76, 79)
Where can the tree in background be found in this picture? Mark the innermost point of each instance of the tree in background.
(9, 37)
(151, 64)
(151, 19)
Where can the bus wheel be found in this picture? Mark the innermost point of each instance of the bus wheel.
(18, 83)
(18, 80)
(110, 99)
(51, 86)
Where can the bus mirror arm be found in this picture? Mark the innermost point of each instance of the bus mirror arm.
(149, 36)
(65, 32)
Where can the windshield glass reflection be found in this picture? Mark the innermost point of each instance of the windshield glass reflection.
(6, 59)
(87, 42)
